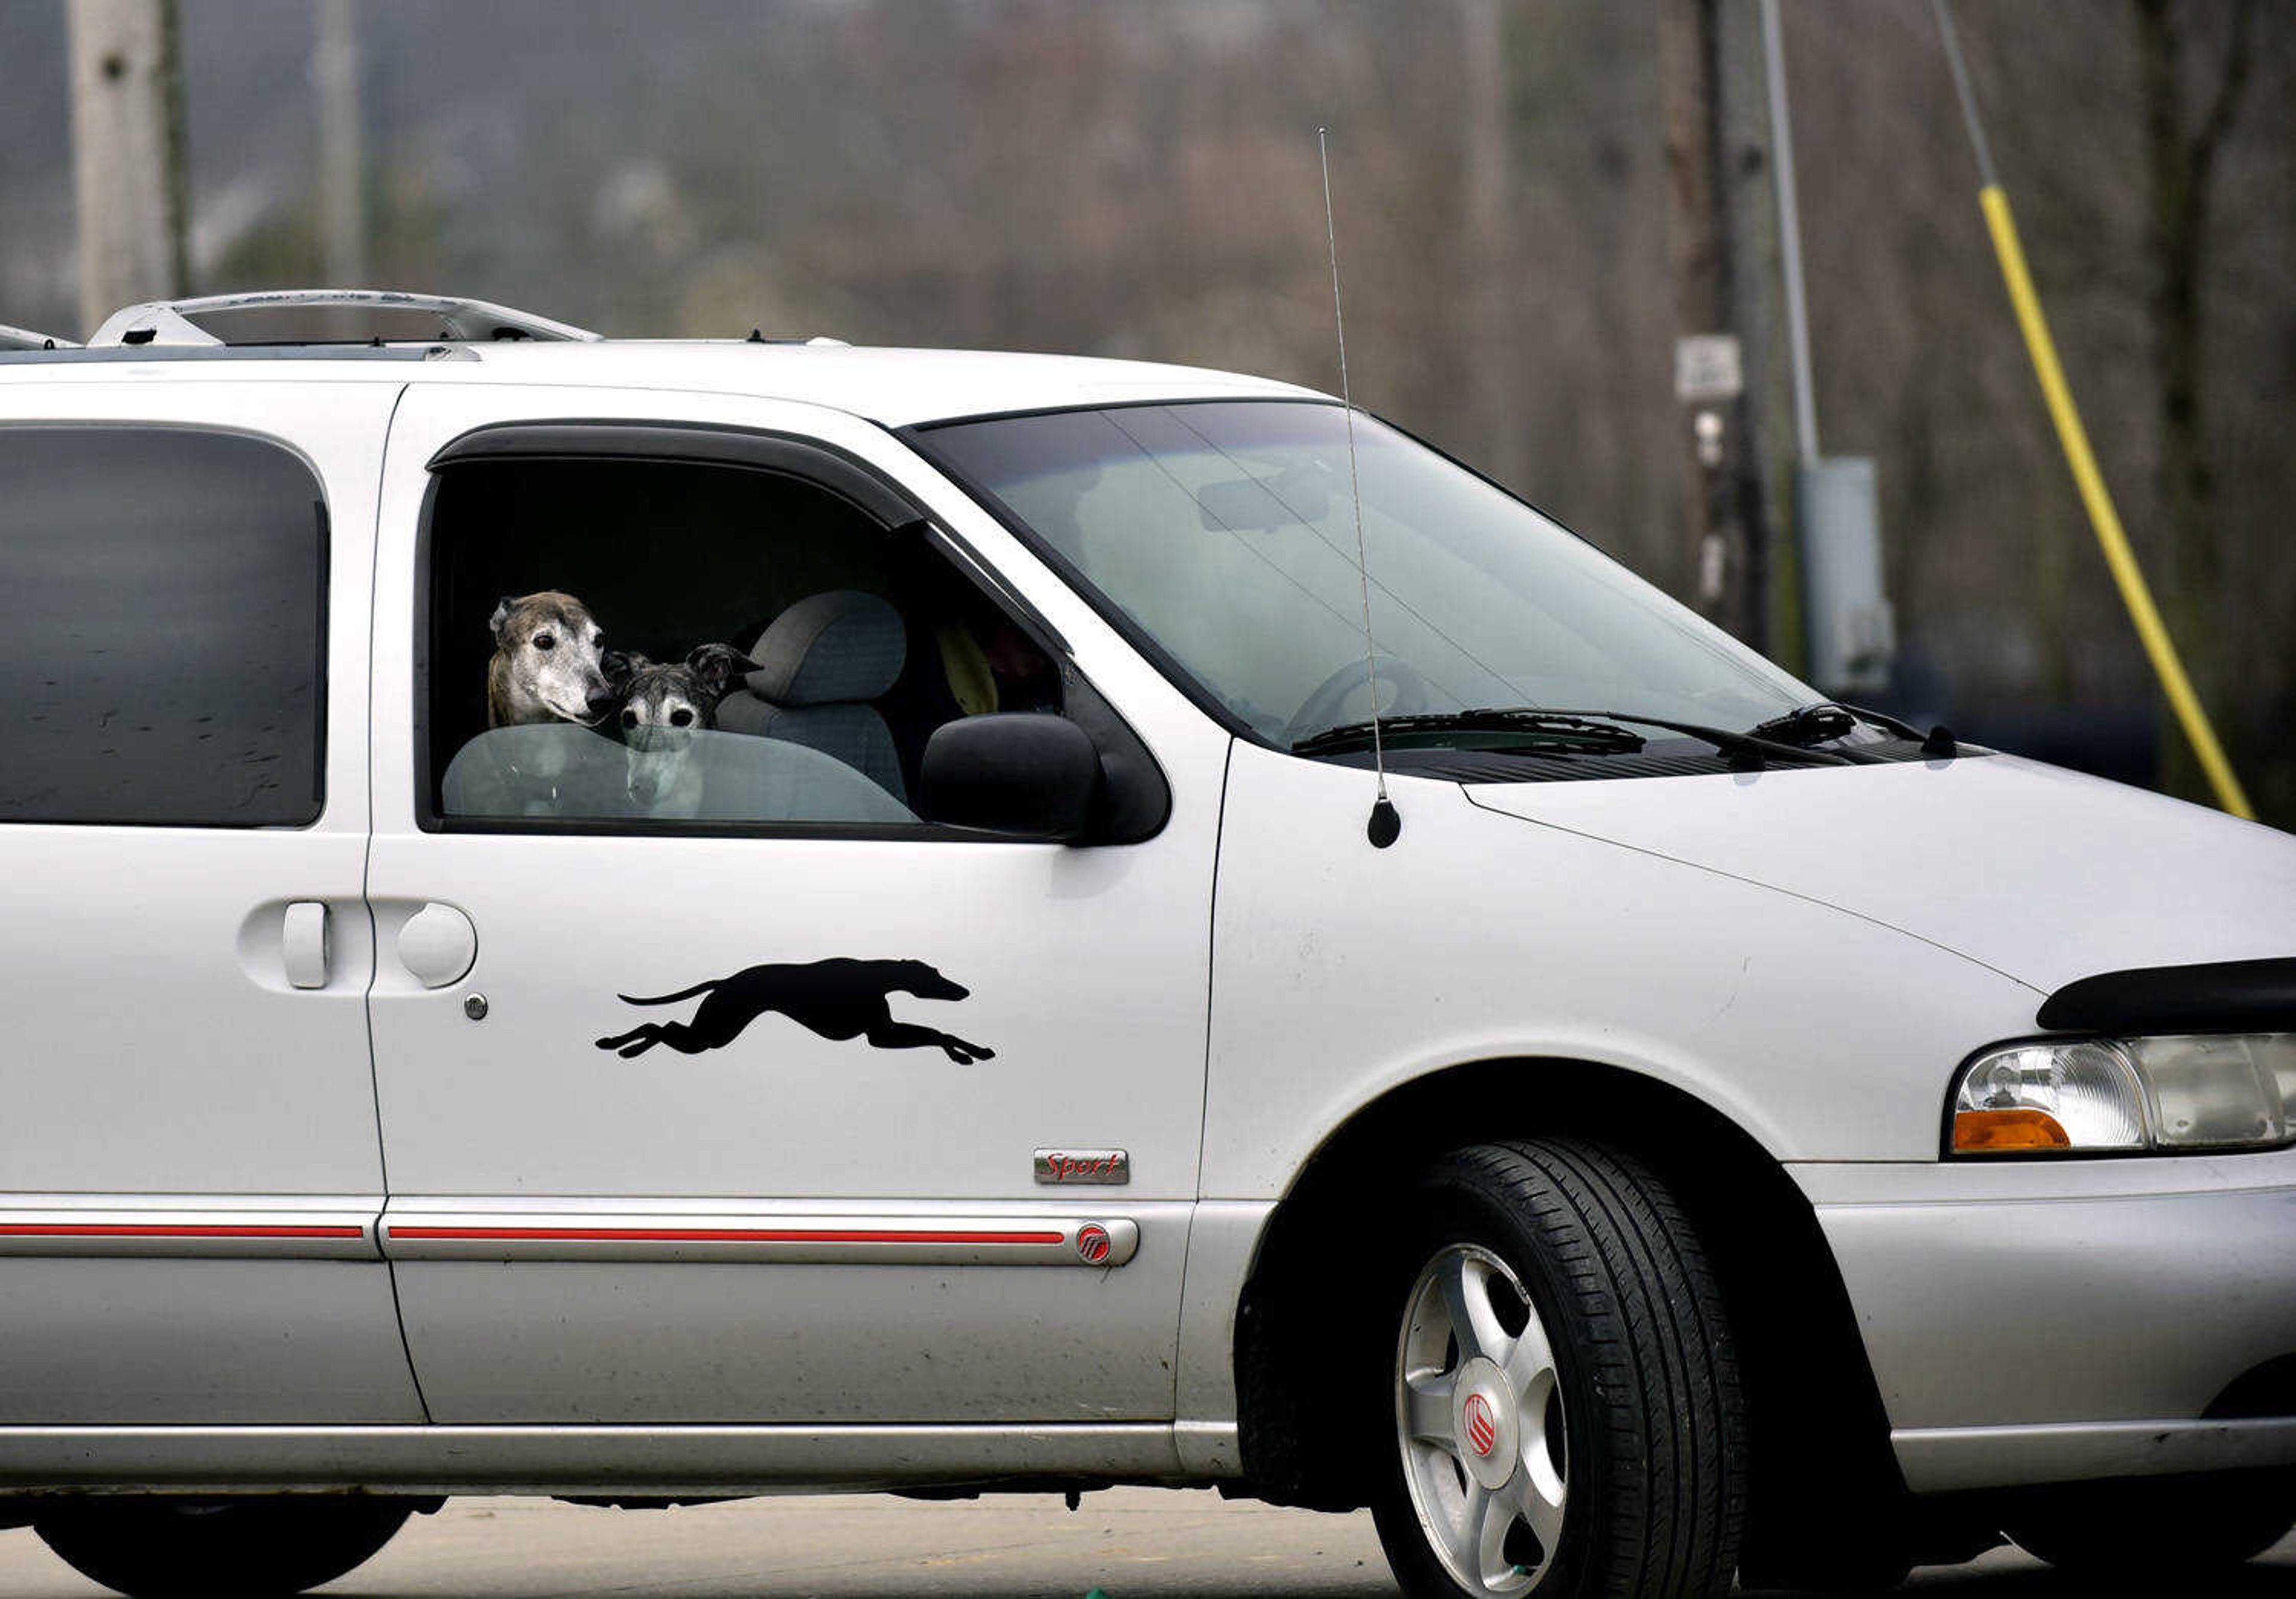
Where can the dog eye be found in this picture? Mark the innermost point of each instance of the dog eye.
(630, 718)
(543, 641)
(681, 718)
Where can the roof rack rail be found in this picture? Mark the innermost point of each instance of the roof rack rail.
(169, 321)
(26, 339)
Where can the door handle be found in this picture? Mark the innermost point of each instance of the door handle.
(303, 944)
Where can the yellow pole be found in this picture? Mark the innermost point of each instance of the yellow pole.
(2134, 593)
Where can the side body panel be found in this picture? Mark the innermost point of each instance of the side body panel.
(673, 1237)
(163, 1080)
(1341, 970)
(2026, 1322)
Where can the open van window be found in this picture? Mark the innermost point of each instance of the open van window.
(616, 641)
(1223, 533)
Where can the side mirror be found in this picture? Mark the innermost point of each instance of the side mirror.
(1024, 773)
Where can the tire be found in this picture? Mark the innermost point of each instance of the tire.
(2196, 1525)
(253, 1548)
(1592, 1442)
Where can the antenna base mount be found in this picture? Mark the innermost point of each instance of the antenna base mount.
(1386, 824)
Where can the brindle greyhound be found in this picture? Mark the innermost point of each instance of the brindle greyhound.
(546, 665)
(837, 998)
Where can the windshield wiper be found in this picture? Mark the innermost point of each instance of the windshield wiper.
(1524, 726)
(1826, 719)
(1815, 724)
(1807, 725)
(1594, 730)
(1748, 751)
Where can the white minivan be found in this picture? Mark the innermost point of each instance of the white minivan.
(651, 922)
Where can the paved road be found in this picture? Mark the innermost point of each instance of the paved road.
(1133, 1543)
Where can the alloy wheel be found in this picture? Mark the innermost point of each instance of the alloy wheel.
(1480, 1421)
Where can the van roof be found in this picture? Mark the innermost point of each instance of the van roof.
(891, 386)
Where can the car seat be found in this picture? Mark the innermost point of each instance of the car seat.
(821, 666)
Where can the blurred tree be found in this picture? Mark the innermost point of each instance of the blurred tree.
(2180, 167)
(1141, 181)
(1489, 307)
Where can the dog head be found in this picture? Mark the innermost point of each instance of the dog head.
(926, 982)
(663, 704)
(547, 661)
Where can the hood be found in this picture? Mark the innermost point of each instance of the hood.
(2045, 875)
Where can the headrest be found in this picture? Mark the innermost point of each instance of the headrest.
(835, 647)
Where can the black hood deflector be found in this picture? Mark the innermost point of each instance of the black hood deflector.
(2222, 998)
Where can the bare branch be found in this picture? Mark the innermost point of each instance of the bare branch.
(2217, 123)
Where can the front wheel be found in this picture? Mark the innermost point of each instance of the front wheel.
(245, 1549)
(1566, 1412)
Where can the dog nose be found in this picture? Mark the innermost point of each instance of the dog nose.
(599, 705)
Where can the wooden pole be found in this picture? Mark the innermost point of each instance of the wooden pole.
(128, 153)
(343, 194)
(1718, 221)
(1686, 63)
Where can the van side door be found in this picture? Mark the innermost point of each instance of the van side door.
(189, 1178)
(723, 1103)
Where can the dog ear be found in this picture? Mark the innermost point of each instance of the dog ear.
(503, 608)
(717, 666)
(619, 668)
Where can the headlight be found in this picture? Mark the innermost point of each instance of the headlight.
(2200, 1091)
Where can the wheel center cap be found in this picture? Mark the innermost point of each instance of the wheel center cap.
(1483, 1421)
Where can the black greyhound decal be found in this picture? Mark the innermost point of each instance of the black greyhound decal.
(837, 998)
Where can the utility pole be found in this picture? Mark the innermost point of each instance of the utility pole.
(128, 153)
(1721, 229)
(1782, 174)
(342, 192)
(1846, 622)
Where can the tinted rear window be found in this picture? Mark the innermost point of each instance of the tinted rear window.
(162, 628)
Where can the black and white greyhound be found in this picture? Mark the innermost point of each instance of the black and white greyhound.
(837, 998)
(664, 703)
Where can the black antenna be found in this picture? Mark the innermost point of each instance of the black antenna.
(1386, 826)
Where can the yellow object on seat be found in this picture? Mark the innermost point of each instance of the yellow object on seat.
(971, 681)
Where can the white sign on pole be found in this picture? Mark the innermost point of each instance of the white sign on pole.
(1706, 368)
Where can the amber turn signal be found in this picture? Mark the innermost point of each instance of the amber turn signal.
(1979, 1131)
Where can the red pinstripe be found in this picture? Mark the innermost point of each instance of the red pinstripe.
(710, 1235)
(47, 1229)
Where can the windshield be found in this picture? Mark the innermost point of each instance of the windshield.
(1225, 533)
